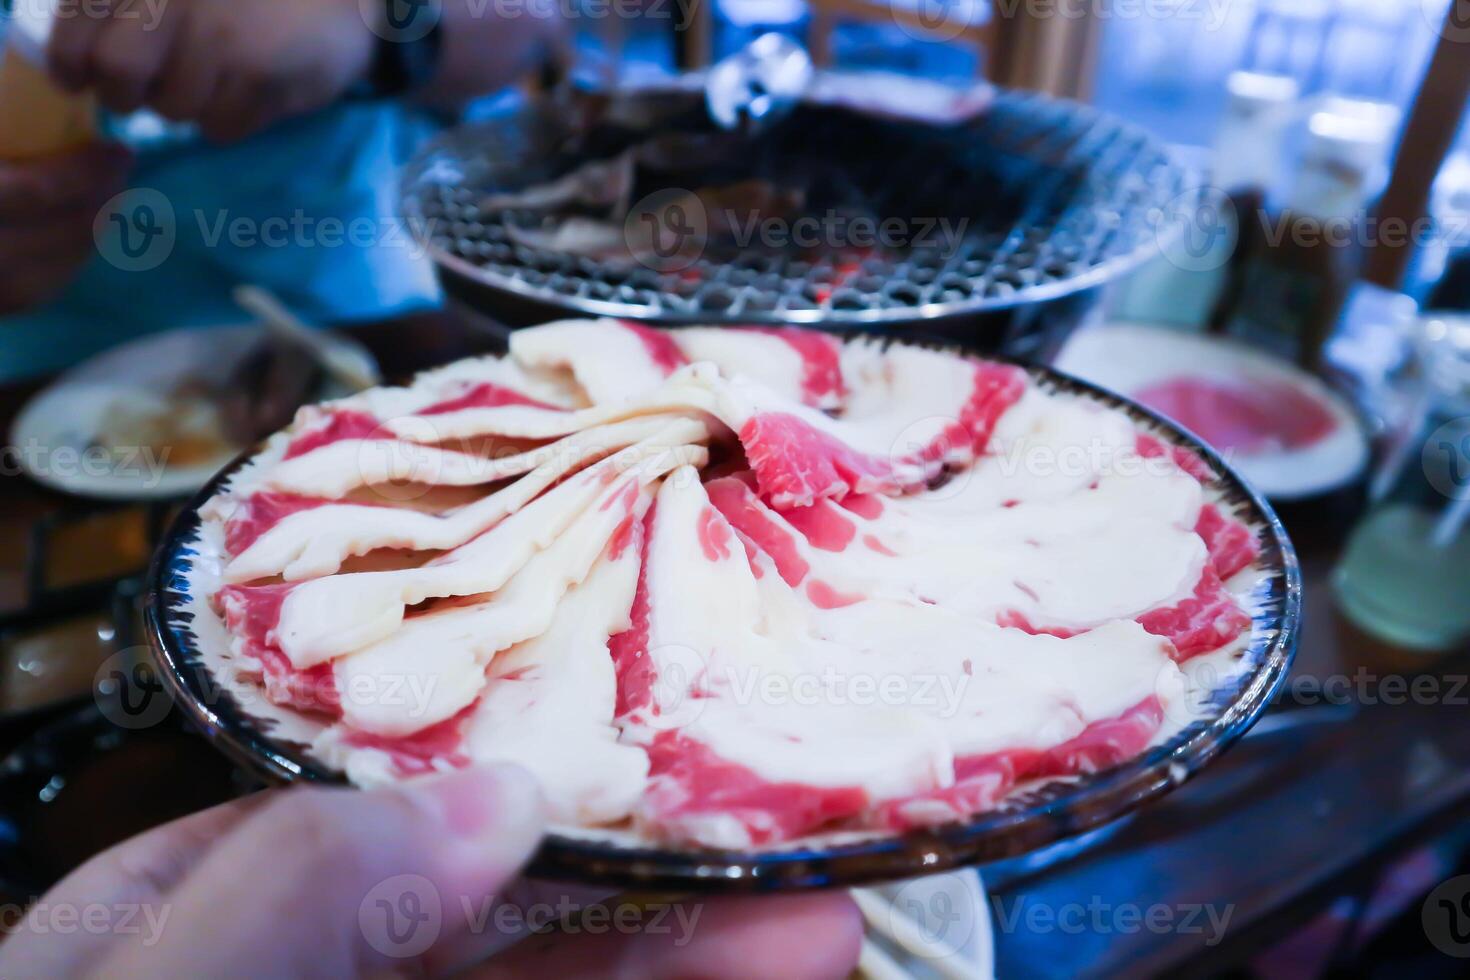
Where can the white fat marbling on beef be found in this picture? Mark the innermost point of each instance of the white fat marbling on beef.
(548, 705)
(903, 407)
(328, 617)
(610, 361)
(995, 689)
(855, 614)
(314, 543)
(437, 659)
(931, 387)
(689, 390)
(1079, 561)
(800, 366)
(724, 669)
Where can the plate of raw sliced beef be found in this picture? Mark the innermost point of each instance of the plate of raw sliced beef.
(759, 608)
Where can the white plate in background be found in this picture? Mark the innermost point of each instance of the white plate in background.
(55, 435)
(1128, 357)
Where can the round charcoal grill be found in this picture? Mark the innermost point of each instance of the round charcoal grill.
(1045, 201)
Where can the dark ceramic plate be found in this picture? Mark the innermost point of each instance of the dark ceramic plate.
(1026, 821)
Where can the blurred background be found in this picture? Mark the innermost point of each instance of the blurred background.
(1285, 269)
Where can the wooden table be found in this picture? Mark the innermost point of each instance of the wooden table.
(1310, 807)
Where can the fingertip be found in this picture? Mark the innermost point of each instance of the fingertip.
(518, 791)
(849, 930)
(772, 936)
(479, 799)
(816, 935)
(813, 935)
(491, 817)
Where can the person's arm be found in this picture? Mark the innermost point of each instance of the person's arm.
(236, 66)
(47, 209)
(481, 52)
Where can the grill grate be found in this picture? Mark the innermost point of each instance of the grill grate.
(1048, 197)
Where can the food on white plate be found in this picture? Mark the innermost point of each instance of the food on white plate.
(1280, 427)
(197, 421)
(182, 426)
(724, 587)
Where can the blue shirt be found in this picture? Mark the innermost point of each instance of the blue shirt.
(305, 209)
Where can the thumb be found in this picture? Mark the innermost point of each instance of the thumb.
(328, 882)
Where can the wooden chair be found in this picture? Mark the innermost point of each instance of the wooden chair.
(1428, 136)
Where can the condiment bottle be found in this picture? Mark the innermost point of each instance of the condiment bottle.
(1304, 260)
(1405, 576)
